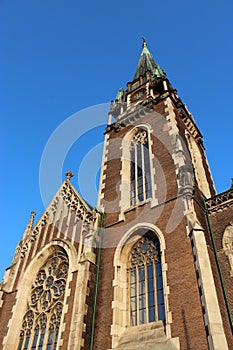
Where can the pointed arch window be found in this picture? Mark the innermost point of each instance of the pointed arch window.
(145, 282)
(140, 169)
(42, 319)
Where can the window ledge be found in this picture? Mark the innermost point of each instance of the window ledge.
(138, 205)
(147, 335)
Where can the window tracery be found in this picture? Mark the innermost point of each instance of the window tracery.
(43, 316)
(140, 170)
(146, 284)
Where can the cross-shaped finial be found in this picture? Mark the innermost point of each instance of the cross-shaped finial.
(144, 41)
(69, 174)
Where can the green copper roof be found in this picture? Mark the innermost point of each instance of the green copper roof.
(147, 63)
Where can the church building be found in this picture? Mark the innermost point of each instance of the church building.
(151, 266)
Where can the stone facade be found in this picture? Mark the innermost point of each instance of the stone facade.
(155, 188)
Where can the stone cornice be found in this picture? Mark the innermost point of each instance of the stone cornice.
(131, 114)
(220, 201)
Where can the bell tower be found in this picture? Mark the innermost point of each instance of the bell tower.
(155, 258)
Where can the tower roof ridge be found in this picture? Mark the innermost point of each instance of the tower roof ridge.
(147, 63)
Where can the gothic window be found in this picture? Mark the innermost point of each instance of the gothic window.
(43, 316)
(146, 284)
(140, 170)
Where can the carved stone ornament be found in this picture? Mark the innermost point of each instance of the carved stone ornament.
(186, 179)
(72, 201)
(220, 202)
(141, 137)
(116, 127)
(69, 174)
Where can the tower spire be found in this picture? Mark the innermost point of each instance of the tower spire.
(147, 63)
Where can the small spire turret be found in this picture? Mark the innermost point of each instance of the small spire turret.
(31, 220)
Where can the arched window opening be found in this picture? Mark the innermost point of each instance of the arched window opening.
(43, 317)
(54, 327)
(140, 169)
(42, 322)
(26, 330)
(146, 283)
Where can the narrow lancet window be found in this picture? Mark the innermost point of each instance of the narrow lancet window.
(146, 284)
(140, 170)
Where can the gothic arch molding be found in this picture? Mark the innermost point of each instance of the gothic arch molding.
(125, 186)
(25, 286)
(120, 305)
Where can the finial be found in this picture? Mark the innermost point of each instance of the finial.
(144, 41)
(33, 213)
(31, 220)
(69, 174)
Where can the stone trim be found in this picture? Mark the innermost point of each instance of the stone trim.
(120, 302)
(14, 325)
(103, 170)
(212, 316)
(227, 243)
(190, 125)
(177, 151)
(220, 202)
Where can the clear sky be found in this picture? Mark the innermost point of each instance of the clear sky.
(59, 57)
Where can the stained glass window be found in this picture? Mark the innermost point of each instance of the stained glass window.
(140, 170)
(146, 284)
(42, 320)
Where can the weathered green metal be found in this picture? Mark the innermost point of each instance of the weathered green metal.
(147, 63)
(231, 188)
(120, 95)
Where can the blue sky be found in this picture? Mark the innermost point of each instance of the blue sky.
(59, 57)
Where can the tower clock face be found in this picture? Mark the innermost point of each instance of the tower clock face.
(138, 94)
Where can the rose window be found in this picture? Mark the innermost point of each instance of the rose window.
(40, 327)
(49, 285)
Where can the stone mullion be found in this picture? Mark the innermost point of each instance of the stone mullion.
(26, 341)
(129, 294)
(46, 337)
(31, 338)
(155, 292)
